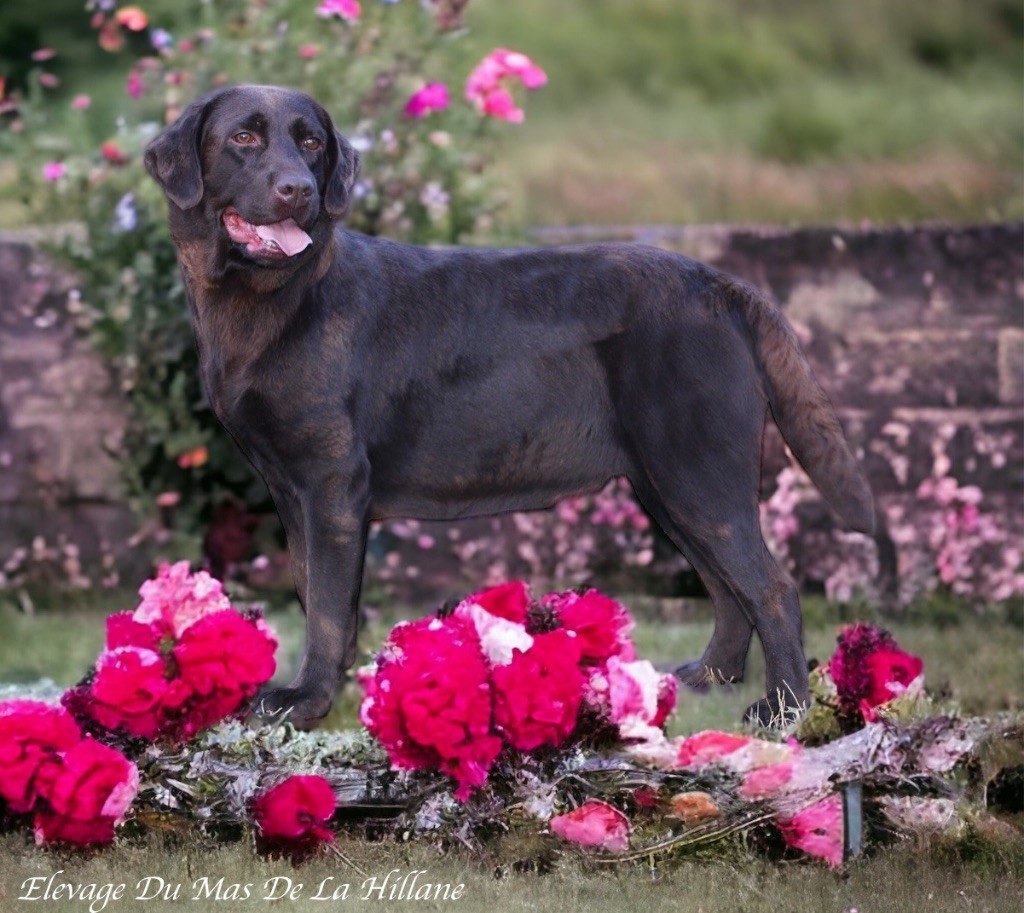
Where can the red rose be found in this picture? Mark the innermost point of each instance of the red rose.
(537, 695)
(601, 624)
(868, 669)
(890, 672)
(31, 736)
(128, 691)
(510, 601)
(429, 703)
(88, 797)
(292, 816)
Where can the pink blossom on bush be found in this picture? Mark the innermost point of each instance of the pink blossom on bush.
(81, 102)
(88, 797)
(349, 10)
(595, 824)
(135, 86)
(817, 830)
(432, 97)
(32, 737)
(537, 695)
(487, 85)
(292, 817)
(53, 171)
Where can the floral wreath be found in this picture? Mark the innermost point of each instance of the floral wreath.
(502, 712)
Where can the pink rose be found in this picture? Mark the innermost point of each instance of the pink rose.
(817, 830)
(128, 691)
(32, 735)
(890, 673)
(88, 797)
(292, 817)
(640, 698)
(537, 695)
(487, 85)
(226, 653)
(705, 748)
(177, 598)
(594, 823)
(763, 782)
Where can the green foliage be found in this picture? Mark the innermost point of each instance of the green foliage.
(424, 180)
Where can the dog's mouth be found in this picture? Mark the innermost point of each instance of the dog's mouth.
(277, 240)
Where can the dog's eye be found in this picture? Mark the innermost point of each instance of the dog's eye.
(244, 138)
(312, 144)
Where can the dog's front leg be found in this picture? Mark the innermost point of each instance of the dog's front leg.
(335, 515)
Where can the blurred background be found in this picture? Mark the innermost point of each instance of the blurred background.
(782, 111)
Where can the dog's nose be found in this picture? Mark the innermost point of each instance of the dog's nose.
(294, 189)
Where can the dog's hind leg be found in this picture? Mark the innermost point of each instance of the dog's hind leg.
(749, 591)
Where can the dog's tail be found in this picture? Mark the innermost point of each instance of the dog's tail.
(802, 410)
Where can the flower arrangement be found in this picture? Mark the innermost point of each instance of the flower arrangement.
(505, 671)
(505, 710)
(182, 661)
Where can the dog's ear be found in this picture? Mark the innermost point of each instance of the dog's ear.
(173, 157)
(342, 169)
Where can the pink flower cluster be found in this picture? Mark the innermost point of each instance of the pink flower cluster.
(487, 87)
(76, 788)
(347, 10)
(869, 670)
(450, 693)
(182, 661)
(768, 771)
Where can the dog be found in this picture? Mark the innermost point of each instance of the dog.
(367, 379)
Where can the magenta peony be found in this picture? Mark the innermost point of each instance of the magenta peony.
(429, 701)
(601, 624)
(32, 737)
(537, 695)
(89, 795)
(292, 817)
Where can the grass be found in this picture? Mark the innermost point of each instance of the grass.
(976, 661)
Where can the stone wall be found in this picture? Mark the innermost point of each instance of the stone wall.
(59, 416)
(910, 331)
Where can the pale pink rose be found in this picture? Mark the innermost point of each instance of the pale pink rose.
(594, 823)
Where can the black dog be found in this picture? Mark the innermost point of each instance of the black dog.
(367, 379)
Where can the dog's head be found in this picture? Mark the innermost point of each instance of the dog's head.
(264, 169)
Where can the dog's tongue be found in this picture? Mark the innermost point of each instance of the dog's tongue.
(287, 235)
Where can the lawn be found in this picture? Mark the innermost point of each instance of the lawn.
(976, 662)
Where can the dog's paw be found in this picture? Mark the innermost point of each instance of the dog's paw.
(699, 677)
(772, 714)
(304, 708)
